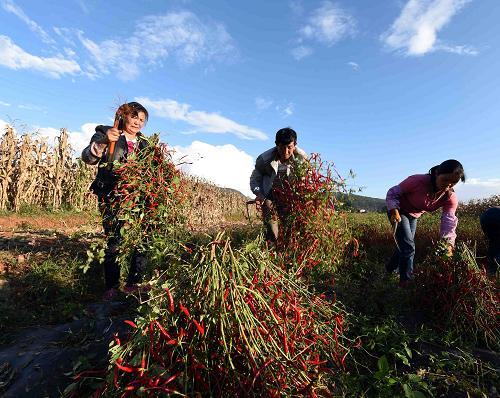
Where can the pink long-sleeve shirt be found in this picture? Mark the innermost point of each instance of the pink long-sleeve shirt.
(415, 196)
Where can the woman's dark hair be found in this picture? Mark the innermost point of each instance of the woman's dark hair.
(285, 136)
(132, 108)
(447, 167)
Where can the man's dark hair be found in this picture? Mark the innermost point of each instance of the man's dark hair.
(285, 136)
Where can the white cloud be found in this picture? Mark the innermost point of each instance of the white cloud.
(10, 6)
(181, 36)
(263, 103)
(353, 65)
(328, 24)
(301, 52)
(4, 103)
(77, 139)
(460, 50)
(203, 121)
(286, 110)
(224, 165)
(476, 188)
(14, 57)
(30, 107)
(415, 30)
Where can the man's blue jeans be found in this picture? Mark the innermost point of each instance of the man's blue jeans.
(404, 255)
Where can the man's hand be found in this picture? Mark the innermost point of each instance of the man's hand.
(259, 199)
(395, 217)
(113, 134)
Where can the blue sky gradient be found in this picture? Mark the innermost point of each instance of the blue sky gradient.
(387, 89)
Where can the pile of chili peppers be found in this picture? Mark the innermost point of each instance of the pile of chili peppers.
(458, 295)
(230, 323)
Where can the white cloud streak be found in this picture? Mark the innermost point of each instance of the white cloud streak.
(14, 57)
(328, 24)
(286, 110)
(181, 36)
(224, 165)
(263, 103)
(205, 122)
(2, 103)
(301, 52)
(415, 30)
(10, 6)
(353, 65)
(477, 188)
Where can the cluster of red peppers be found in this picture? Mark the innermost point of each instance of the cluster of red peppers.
(236, 325)
(458, 295)
(312, 231)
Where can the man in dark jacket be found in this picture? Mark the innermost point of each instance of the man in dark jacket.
(490, 223)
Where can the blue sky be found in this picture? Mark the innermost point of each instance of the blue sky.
(386, 88)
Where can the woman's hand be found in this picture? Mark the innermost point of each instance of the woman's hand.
(449, 251)
(395, 217)
(113, 134)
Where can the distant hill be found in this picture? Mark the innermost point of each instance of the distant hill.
(352, 201)
(359, 202)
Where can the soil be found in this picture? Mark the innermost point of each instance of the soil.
(67, 224)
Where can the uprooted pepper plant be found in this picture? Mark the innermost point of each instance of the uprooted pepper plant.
(315, 316)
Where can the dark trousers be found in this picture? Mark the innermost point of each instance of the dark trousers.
(404, 254)
(490, 224)
(270, 220)
(112, 227)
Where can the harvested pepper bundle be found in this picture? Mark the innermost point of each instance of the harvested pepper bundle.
(458, 295)
(230, 323)
(313, 231)
(149, 200)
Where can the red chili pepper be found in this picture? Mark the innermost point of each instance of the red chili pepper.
(162, 329)
(132, 324)
(184, 310)
(170, 299)
(124, 368)
(226, 293)
(171, 379)
(199, 327)
(342, 361)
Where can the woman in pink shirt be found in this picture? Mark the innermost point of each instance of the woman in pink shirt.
(416, 195)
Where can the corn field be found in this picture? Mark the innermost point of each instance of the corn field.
(36, 174)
